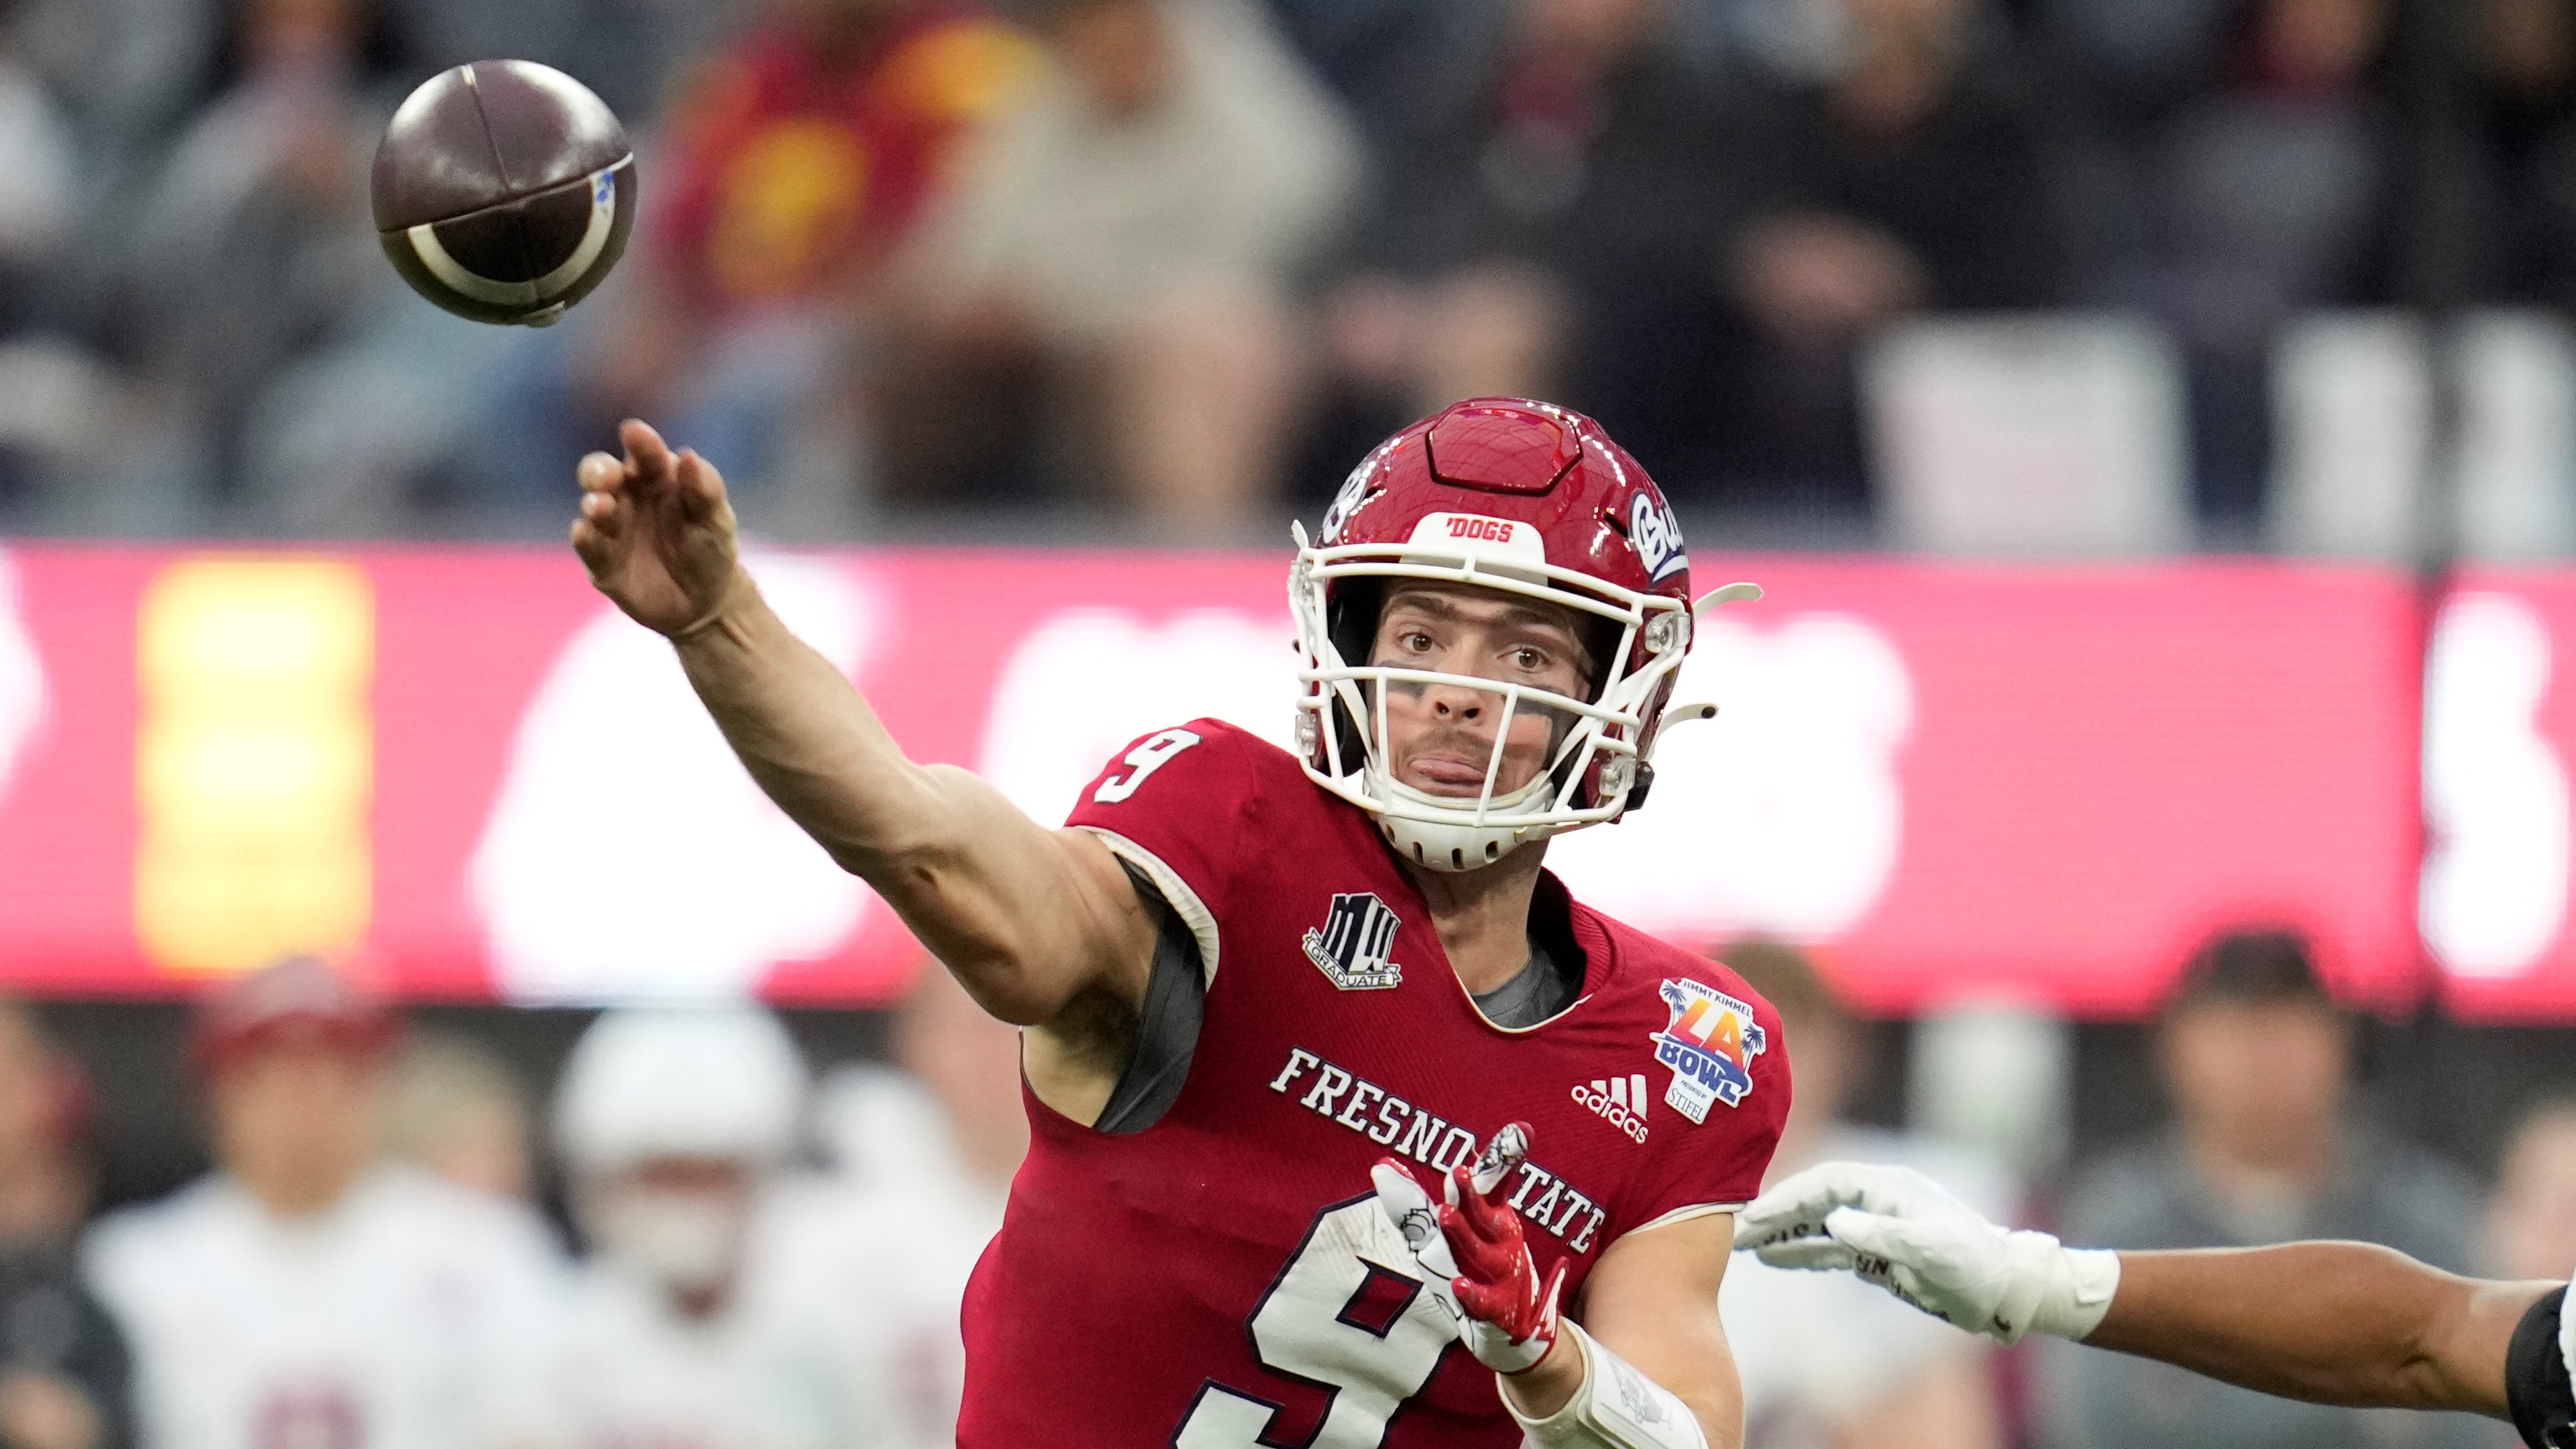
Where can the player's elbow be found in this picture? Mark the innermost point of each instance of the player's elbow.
(2436, 1364)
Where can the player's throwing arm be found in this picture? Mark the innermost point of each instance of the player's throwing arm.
(2333, 1323)
(1029, 919)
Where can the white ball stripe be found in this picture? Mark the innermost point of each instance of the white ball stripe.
(452, 273)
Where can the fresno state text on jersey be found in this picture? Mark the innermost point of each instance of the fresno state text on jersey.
(1224, 1278)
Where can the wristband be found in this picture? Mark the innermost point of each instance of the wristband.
(1615, 1407)
(2081, 1285)
(2537, 1393)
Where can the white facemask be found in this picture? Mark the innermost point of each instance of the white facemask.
(685, 1241)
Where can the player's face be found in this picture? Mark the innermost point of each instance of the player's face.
(2258, 1080)
(679, 1221)
(1440, 737)
(297, 1121)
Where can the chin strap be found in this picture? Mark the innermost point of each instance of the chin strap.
(1617, 1407)
(1441, 845)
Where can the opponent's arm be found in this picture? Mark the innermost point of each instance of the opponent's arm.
(2339, 1323)
(1029, 919)
(2335, 1323)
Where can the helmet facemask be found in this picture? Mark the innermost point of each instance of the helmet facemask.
(1596, 746)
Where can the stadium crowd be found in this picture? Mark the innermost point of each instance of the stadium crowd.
(1175, 263)
(695, 1239)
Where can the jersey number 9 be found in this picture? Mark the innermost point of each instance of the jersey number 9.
(1318, 1324)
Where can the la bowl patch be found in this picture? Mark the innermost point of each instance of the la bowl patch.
(1710, 1044)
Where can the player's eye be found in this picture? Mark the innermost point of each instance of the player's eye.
(1529, 659)
(1414, 641)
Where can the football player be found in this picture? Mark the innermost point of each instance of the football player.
(308, 1290)
(1325, 1074)
(2333, 1323)
(696, 1322)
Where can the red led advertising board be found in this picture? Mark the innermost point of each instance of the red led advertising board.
(462, 766)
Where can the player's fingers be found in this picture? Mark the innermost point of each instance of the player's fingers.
(599, 473)
(1811, 1254)
(1490, 1215)
(1462, 1209)
(1796, 1207)
(1872, 1235)
(1491, 1302)
(701, 489)
(591, 545)
(647, 457)
(604, 513)
(1501, 1157)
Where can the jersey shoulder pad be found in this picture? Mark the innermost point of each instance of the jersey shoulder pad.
(1203, 762)
(1177, 804)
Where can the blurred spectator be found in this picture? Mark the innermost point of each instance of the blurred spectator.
(2257, 151)
(127, 72)
(38, 197)
(2524, 61)
(1554, 188)
(1112, 277)
(922, 1162)
(1910, 175)
(307, 1291)
(458, 1110)
(1361, 47)
(793, 165)
(2257, 1060)
(254, 243)
(38, 205)
(625, 50)
(64, 1374)
(1825, 1367)
(2532, 1223)
(697, 1321)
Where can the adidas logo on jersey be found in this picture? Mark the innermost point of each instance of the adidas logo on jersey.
(1620, 1101)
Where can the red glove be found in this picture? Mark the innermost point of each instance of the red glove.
(1497, 1280)
(1478, 1263)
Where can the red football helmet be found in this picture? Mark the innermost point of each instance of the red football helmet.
(1524, 498)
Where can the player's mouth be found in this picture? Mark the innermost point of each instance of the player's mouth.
(1447, 773)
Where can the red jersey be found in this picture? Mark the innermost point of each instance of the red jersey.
(1225, 1279)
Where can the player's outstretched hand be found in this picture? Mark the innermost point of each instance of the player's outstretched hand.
(1906, 1233)
(656, 533)
(1475, 1259)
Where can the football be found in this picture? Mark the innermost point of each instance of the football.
(504, 191)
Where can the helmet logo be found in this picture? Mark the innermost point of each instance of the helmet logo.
(1475, 533)
(1658, 537)
(1354, 489)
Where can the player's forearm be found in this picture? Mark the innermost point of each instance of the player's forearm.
(807, 737)
(2338, 1323)
(956, 860)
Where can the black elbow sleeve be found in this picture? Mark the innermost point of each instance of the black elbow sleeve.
(2536, 1390)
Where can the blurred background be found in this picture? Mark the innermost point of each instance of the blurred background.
(2144, 790)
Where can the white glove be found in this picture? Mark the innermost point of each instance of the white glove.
(1902, 1231)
